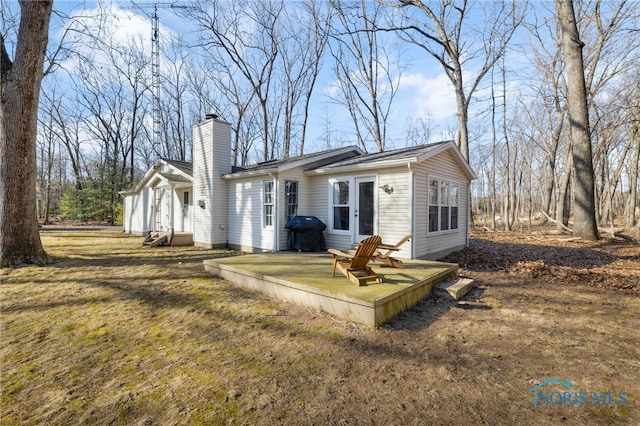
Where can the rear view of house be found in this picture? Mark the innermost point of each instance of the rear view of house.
(421, 190)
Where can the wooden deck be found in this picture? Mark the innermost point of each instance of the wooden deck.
(305, 279)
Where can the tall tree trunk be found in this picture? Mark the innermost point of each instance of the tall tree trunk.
(633, 180)
(494, 138)
(462, 136)
(20, 90)
(585, 225)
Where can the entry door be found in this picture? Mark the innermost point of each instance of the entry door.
(365, 208)
(186, 212)
(158, 194)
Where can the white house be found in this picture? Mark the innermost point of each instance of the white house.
(422, 190)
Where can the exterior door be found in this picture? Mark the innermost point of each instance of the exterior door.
(186, 212)
(364, 212)
(158, 194)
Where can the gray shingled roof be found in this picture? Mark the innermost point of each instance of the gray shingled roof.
(392, 155)
(274, 164)
(183, 166)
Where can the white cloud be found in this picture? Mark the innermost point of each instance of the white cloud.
(424, 96)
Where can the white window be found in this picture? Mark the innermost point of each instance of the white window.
(340, 213)
(442, 206)
(291, 194)
(268, 203)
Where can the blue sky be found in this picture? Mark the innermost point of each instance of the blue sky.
(424, 89)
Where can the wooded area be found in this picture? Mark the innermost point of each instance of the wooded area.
(108, 110)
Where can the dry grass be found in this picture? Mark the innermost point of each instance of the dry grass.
(115, 333)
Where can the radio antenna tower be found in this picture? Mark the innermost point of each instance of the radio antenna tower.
(155, 61)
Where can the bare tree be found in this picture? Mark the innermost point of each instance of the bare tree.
(247, 34)
(366, 69)
(546, 114)
(418, 130)
(443, 29)
(20, 82)
(634, 167)
(173, 111)
(221, 89)
(585, 225)
(304, 36)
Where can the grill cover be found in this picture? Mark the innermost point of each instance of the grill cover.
(305, 233)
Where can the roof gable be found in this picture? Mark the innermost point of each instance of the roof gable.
(166, 170)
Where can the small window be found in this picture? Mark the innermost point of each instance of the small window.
(291, 194)
(340, 205)
(443, 205)
(268, 202)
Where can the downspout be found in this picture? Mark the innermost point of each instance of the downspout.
(469, 213)
(274, 247)
(171, 207)
(276, 216)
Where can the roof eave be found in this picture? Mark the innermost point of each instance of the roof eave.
(364, 166)
(250, 173)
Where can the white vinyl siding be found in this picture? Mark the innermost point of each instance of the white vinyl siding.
(245, 231)
(440, 167)
(211, 159)
(393, 209)
(137, 214)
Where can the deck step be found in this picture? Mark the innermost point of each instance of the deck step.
(155, 240)
(453, 289)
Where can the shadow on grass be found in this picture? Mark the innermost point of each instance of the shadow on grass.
(431, 310)
(133, 258)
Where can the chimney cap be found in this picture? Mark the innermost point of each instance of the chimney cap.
(210, 116)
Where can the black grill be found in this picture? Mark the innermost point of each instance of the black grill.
(305, 233)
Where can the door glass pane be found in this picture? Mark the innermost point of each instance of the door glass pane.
(365, 208)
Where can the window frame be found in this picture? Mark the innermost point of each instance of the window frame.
(446, 208)
(332, 205)
(268, 207)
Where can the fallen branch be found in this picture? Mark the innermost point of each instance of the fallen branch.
(625, 237)
(562, 225)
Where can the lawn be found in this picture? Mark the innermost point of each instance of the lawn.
(112, 332)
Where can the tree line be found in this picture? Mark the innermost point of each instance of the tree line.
(257, 65)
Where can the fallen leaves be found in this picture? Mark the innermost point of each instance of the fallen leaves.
(608, 263)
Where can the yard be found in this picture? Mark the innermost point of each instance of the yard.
(116, 333)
